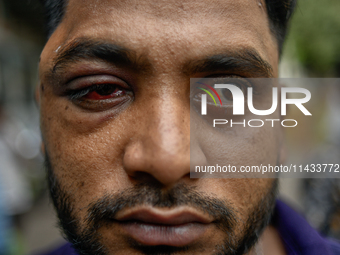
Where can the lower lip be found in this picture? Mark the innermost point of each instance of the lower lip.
(172, 235)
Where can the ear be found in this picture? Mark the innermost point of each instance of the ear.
(37, 100)
(37, 94)
(282, 154)
(282, 150)
(42, 147)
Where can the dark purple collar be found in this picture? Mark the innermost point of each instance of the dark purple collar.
(298, 236)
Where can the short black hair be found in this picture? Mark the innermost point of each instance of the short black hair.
(54, 11)
(279, 13)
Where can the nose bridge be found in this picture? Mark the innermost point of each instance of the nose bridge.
(168, 127)
(161, 148)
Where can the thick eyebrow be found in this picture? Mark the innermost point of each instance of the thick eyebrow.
(244, 61)
(83, 49)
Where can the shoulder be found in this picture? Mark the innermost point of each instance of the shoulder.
(334, 246)
(65, 249)
(298, 236)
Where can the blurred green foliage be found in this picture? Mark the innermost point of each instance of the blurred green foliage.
(314, 37)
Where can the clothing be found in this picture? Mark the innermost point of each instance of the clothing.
(298, 236)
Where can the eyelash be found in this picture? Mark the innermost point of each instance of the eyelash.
(77, 94)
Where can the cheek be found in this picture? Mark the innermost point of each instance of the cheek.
(85, 153)
(240, 147)
(242, 193)
(237, 147)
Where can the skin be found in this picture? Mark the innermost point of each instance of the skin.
(98, 148)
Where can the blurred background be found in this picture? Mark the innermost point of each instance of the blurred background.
(27, 220)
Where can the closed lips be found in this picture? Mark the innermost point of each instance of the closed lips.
(178, 227)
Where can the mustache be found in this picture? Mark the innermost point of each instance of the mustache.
(105, 208)
(87, 240)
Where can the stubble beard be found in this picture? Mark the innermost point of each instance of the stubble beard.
(85, 238)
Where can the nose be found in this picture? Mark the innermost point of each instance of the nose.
(160, 148)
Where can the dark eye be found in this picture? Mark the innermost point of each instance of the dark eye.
(227, 95)
(104, 91)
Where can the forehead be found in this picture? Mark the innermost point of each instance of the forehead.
(184, 29)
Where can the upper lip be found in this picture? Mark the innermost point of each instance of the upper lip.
(163, 216)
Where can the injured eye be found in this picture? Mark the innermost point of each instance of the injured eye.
(99, 93)
(104, 91)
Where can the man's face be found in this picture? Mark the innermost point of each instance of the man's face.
(115, 113)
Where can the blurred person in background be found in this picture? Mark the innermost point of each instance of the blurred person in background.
(20, 170)
(15, 194)
(5, 220)
(313, 50)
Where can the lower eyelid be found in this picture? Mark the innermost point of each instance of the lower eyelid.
(102, 105)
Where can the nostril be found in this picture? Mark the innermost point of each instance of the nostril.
(187, 176)
(144, 177)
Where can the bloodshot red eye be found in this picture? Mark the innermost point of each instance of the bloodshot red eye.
(105, 91)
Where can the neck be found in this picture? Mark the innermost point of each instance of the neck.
(270, 243)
